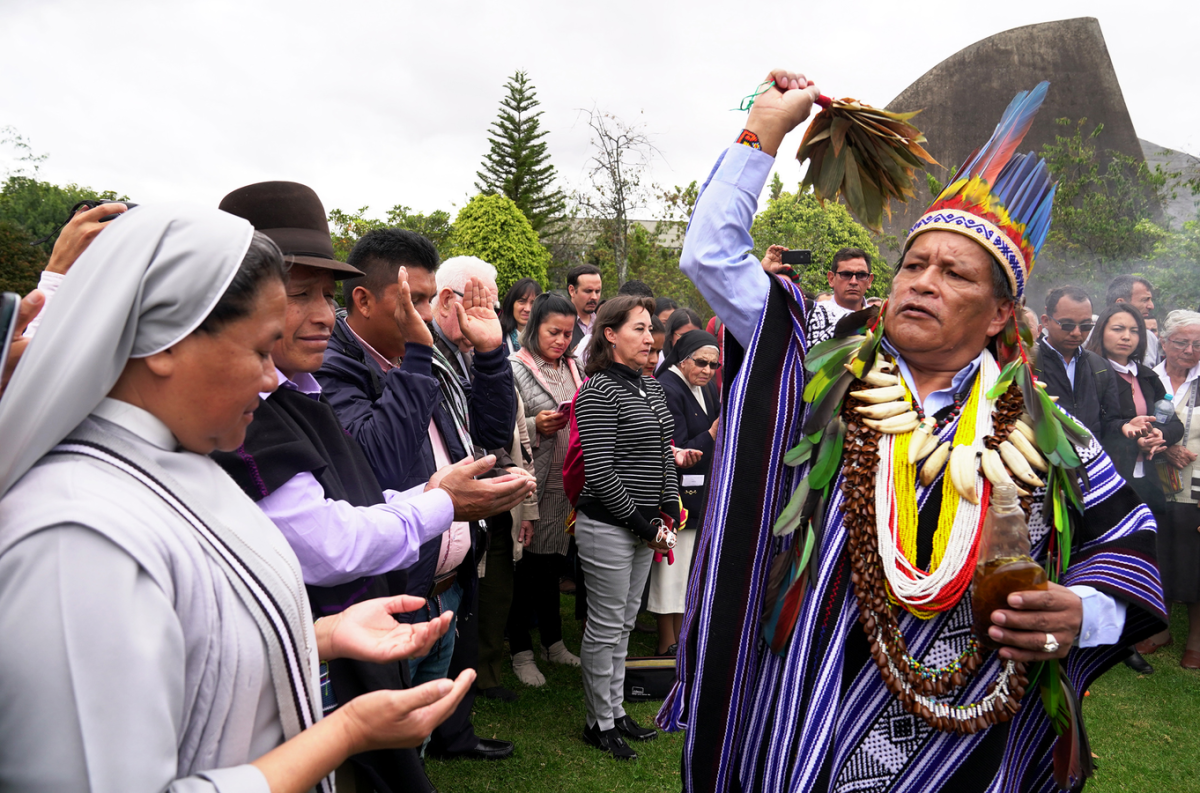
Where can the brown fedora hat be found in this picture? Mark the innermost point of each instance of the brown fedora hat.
(292, 215)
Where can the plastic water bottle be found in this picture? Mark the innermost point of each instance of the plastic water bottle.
(1163, 410)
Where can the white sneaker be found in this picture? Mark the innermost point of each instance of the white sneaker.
(526, 669)
(559, 654)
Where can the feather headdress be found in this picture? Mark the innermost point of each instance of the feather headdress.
(1000, 199)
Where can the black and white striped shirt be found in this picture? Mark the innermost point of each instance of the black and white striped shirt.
(625, 432)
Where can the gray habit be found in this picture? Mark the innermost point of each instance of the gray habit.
(130, 660)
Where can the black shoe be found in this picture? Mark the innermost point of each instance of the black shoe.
(485, 749)
(1137, 663)
(671, 652)
(501, 693)
(633, 731)
(609, 741)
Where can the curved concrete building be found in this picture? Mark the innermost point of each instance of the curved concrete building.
(964, 96)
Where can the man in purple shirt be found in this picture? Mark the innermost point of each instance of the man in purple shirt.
(313, 479)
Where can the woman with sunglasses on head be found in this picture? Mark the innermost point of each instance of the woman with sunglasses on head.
(1179, 530)
(515, 310)
(695, 405)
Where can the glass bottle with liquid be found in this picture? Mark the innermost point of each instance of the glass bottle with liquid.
(1004, 565)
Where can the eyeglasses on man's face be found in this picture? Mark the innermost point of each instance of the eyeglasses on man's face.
(1069, 327)
(850, 275)
(1182, 346)
(714, 365)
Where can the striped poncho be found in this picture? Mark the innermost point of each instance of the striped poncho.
(819, 718)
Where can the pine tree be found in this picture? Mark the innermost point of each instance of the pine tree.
(518, 165)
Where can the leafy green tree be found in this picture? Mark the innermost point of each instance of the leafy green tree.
(798, 221)
(20, 263)
(493, 228)
(1175, 269)
(518, 165)
(346, 228)
(1104, 208)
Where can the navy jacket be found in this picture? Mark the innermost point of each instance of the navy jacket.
(1093, 400)
(691, 432)
(388, 414)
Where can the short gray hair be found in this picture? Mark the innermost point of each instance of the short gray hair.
(1178, 320)
(457, 270)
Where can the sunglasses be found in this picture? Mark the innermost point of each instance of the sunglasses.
(714, 365)
(850, 275)
(1069, 327)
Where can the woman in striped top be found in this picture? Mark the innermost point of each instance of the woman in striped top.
(629, 476)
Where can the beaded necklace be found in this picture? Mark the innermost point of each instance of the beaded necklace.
(919, 688)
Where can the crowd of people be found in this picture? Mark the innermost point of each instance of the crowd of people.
(301, 537)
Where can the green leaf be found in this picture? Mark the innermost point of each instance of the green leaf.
(824, 351)
(1004, 381)
(809, 537)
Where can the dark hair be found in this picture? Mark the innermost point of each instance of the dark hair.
(682, 316)
(518, 291)
(545, 306)
(636, 288)
(846, 254)
(1121, 288)
(656, 324)
(613, 314)
(578, 270)
(380, 253)
(1095, 342)
(263, 262)
(1073, 292)
(662, 304)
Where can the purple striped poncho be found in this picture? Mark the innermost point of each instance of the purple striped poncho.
(819, 718)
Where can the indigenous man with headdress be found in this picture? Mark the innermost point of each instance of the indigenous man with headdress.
(828, 642)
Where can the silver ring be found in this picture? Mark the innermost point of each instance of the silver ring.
(1051, 645)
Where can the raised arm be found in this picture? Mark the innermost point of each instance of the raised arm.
(717, 251)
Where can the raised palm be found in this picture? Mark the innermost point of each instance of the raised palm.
(367, 631)
(477, 318)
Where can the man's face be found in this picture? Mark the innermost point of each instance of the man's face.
(850, 280)
(1152, 325)
(309, 320)
(375, 315)
(586, 294)
(446, 315)
(1069, 326)
(942, 308)
(1142, 299)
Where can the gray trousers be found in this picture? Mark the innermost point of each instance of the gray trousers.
(616, 565)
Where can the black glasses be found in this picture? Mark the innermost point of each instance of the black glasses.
(714, 365)
(1069, 327)
(850, 275)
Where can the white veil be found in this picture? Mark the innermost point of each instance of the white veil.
(143, 285)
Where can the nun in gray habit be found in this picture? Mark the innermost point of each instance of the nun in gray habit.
(155, 633)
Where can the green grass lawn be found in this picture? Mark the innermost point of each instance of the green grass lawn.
(1144, 730)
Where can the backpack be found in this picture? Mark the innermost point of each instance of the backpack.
(572, 472)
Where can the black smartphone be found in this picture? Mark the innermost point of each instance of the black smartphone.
(797, 259)
(9, 303)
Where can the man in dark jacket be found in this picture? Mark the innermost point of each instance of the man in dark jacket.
(407, 405)
(1081, 380)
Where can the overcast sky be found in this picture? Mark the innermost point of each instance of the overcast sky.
(384, 102)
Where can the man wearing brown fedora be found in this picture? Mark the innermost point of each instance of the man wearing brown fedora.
(314, 480)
